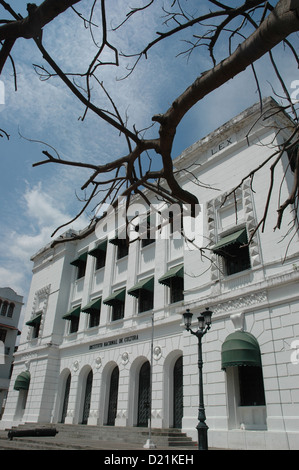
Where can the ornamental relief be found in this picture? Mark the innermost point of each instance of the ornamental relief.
(240, 303)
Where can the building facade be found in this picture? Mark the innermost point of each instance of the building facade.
(10, 310)
(100, 311)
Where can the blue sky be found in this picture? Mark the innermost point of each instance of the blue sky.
(34, 201)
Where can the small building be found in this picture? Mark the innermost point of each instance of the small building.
(10, 310)
(100, 311)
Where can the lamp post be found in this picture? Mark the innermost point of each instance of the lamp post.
(204, 324)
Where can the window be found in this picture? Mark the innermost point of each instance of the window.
(10, 310)
(117, 301)
(251, 386)
(74, 324)
(35, 324)
(146, 237)
(118, 310)
(94, 311)
(122, 248)
(73, 316)
(176, 289)
(176, 222)
(234, 251)
(144, 292)
(94, 318)
(4, 308)
(2, 335)
(80, 263)
(145, 301)
(100, 254)
(174, 279)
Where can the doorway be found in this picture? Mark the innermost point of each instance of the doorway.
(113, 395)
(87, 398)
(144, 395)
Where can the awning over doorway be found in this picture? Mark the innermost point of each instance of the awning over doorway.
(22, 381)
(240, 349)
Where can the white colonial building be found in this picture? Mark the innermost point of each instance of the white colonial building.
(98, 311)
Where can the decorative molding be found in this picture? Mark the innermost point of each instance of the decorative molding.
(240, 302)
(125, 358)
(98, 362)
(39, 296)
(157, 353)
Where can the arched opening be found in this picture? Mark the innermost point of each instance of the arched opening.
(241, 359)
(87, 398)
(178, 393)
(66, 395)
(144, 395)
(113, 396)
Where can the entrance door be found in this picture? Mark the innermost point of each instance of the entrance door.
(144, 395)
(87, 398)
(178, 393)
(113, 394)
(66, 398)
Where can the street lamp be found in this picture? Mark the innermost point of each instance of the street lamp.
(204, 324)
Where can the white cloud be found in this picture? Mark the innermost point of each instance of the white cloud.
(42, 214)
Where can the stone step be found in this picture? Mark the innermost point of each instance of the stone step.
(89, 435)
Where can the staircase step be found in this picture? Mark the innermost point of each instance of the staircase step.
(78, 436)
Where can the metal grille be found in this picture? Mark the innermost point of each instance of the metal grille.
(144, 395)
(178, 393)
(113, 395)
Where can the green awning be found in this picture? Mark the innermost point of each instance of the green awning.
(117, 296)
(74, 312)
(22, 381)
(35, 320)
(99, 250)
(240, 349)
(92, 306)
(177, 271)
(145, 284)
(81, 259)
(239, 237)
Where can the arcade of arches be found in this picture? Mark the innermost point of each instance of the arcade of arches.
(139, 408)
